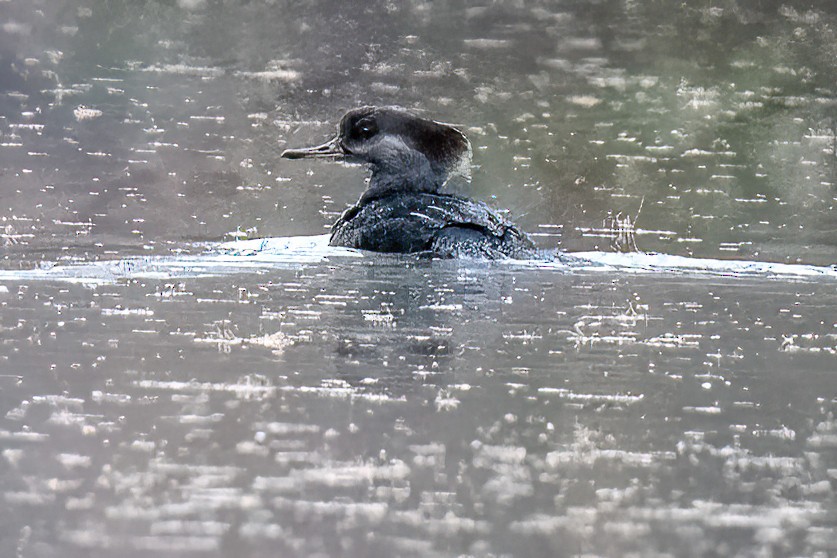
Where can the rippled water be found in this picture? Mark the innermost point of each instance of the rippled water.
(159, 397)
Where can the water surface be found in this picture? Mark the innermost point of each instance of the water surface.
(154, 399)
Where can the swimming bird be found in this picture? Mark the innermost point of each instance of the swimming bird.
(403, 208)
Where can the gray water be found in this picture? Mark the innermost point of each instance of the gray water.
(379, 405)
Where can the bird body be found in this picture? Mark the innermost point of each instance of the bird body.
(440, 224)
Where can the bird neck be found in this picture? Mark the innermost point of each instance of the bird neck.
(385, 182)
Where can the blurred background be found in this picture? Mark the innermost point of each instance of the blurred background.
(144, 126)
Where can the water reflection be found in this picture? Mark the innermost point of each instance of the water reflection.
(433, 407)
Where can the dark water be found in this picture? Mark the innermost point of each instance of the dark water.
(383, 406)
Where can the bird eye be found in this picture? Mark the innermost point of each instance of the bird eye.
(365, 129)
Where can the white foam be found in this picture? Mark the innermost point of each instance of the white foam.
(651, 263)
(245, 256)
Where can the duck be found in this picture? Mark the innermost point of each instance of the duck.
(404, 208)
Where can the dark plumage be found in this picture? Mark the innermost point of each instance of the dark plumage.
(402, 209)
